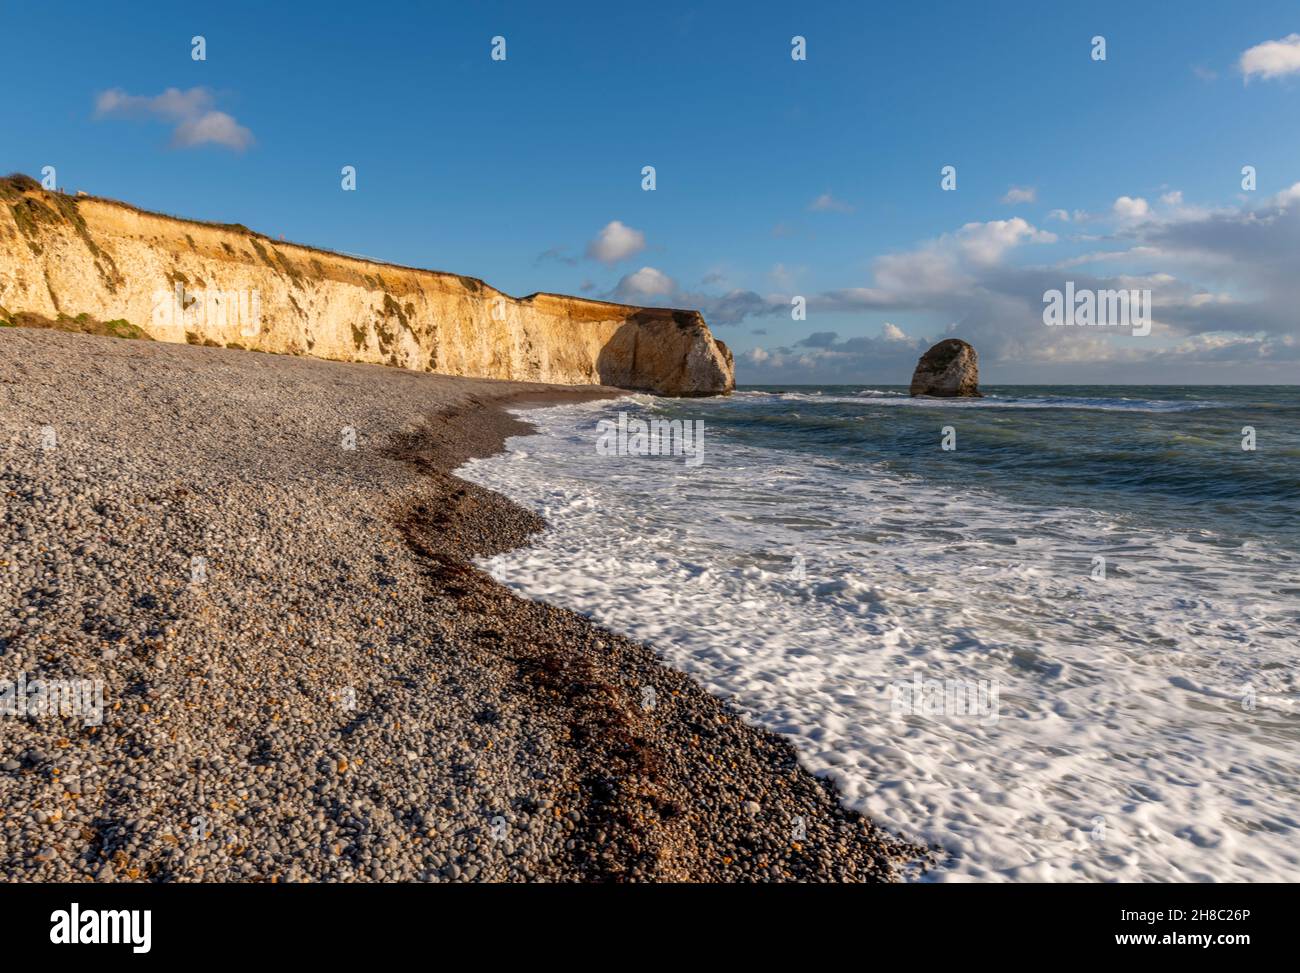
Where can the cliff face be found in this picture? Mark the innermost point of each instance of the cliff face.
(225, 285)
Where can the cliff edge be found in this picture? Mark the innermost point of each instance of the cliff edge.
(223, 284)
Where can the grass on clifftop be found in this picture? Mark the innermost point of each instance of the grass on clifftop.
(33, 213)
(81, 324)
(15, 184)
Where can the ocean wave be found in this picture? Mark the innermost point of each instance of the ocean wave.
(809, 592)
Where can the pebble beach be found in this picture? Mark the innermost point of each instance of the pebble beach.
(265, 564)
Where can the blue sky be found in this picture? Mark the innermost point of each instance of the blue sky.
(775, 178)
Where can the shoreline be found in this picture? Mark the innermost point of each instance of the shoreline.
(523, 749)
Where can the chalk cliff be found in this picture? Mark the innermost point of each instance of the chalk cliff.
(216, 284)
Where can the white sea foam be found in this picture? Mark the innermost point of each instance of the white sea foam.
(1122, 750)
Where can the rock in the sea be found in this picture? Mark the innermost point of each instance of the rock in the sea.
(949, 369)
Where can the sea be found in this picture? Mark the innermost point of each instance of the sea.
(1051, 633)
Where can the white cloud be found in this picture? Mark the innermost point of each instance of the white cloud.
(1223, 283)
(646, 282)
(1107, 256)
(826, 203)
(192, 112)
(1131, 208)
(937, 272)
(946, 266)
(1020, 194)
(616, 242)
(1067, 216)
(930, 268)
(172, 105)
(1288, 196)
(1272, 59)
(986, 243)
(214, 127)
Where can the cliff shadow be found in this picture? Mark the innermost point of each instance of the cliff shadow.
(648, 351)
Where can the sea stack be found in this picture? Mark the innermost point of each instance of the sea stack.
(949, 369)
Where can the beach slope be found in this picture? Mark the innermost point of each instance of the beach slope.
(264, 563)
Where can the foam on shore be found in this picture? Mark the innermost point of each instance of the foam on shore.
(1122, 749)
